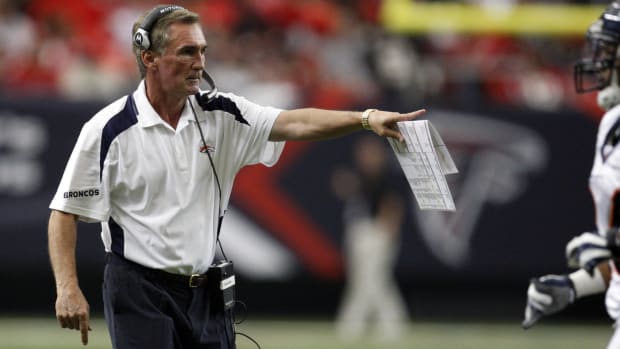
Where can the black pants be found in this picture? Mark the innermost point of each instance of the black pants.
(144, 310)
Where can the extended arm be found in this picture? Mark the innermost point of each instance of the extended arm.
(72, 310)
(318, 124)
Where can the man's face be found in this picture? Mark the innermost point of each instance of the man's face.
(181, 64)
(605, 56)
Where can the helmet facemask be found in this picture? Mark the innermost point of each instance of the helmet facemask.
(598, 69)
(595, 72)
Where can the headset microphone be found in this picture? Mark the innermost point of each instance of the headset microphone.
(205, 97)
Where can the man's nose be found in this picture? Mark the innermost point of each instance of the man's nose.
(199, 62)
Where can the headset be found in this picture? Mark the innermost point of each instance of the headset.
(142, 37)
(142, 40)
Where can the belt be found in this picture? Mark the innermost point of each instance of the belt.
(192, 281)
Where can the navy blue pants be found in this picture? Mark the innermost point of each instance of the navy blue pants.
(144, 310)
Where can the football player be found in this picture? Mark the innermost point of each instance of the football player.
(594, 253)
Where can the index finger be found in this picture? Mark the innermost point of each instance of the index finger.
(84, 328)
(409, 116)
(531, 317)
(392, 131)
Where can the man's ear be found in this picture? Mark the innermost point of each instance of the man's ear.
(148, 58)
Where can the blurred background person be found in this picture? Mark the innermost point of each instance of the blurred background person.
(373, 214)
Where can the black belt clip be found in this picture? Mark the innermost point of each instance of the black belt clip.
(197, 280)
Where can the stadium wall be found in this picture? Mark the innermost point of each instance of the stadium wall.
(521, 194)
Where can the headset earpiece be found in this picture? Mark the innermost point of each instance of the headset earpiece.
(142, 38)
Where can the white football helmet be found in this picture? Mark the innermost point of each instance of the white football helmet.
(598, 69)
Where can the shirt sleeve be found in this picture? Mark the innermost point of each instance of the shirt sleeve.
(255, 146)
(81, 190)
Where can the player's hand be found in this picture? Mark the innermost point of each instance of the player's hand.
(73, 312)
(587, 251)
(384, 123)
(547, 295)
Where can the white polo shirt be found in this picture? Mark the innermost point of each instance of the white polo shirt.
(151, 187)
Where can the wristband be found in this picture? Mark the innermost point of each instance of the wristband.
(585, 284)
(365, 115)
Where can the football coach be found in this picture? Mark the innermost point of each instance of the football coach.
(156, 169)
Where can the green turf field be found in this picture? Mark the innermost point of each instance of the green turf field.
(37, 333)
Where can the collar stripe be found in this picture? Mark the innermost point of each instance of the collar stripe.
(114, 127)
(224, 104)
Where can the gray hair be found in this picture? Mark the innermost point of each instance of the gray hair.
(159, 32)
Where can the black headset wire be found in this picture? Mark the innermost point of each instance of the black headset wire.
(217, 179)
(238, 322)
(221, 216)
(250, 338)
